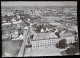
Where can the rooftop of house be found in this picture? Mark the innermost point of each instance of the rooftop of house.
(16, 22)
(26, 27)
(6, 23)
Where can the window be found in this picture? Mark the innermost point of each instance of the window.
(50, 44)
(43, 45)
(50, 41)
(33, 46)
(36, 45)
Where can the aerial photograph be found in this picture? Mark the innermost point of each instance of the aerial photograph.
(39, 28)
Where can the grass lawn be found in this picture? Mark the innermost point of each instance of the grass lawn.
(10, 48)
(49, 51)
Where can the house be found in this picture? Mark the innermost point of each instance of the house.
(62, 32)
(56, 31)
(5, 24)
(26, 27)
(47, 29)
(17, 22)
(3, 19)
(21, 37)
(5, 36)
(18, 25)
(13, 19)
(42, 30)
(15, 34)
(28, 20)
(75, 28)
(31, 24)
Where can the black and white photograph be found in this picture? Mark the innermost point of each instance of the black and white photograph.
(39, 28)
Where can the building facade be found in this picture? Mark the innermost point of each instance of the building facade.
(44, 43)
(50, 39)
(44, 40)
(69, 37)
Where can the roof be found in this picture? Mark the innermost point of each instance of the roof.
(4, 37)
(26, 27)
(16, 22)
(21, 37)
(75, 27)
(16, 32)
(66, 35)
(6, 24)
(59, 25)
(42, 23)
(44, 36)
(13, 19)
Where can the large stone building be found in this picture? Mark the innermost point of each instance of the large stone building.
(43, 40)
(69, 37)
(50, 39)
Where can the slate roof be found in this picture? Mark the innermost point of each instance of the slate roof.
(40, 36)
(66, 35)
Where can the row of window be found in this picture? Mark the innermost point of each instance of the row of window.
(45, 41)
(43, 45)
(34, 46)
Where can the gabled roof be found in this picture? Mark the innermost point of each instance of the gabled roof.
(66, 35)
(13, 19)
(6, 24)
(16, 22)
(26, 27)
(40, 36)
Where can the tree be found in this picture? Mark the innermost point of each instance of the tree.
(19, 31)
(57, 33)
(61, 44)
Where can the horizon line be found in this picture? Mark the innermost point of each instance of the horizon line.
(40, 3)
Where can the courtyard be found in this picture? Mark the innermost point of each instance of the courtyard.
(42, 51)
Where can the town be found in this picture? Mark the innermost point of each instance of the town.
(39, 31)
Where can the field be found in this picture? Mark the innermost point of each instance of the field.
(10, 48)
(49, 51)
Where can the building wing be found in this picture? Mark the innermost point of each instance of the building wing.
(66, 35)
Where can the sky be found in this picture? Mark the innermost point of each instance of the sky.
(39, 3)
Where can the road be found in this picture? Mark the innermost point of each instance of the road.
(23, 47)
(21, 50)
